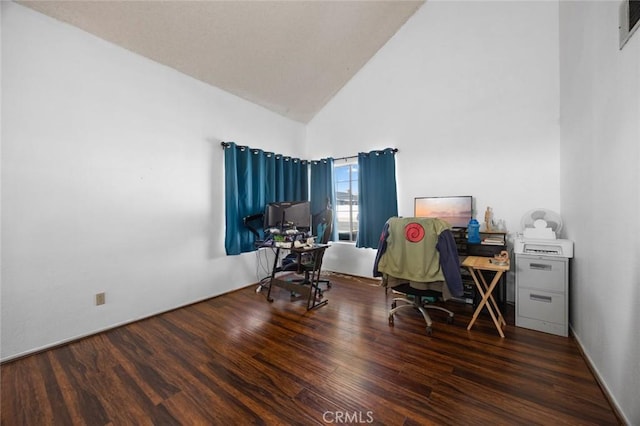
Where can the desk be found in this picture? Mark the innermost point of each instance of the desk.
(475, 265)
(307, 288)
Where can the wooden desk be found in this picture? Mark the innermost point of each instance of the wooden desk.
(305, 288)
(475, 265)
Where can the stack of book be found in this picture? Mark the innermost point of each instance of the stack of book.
(498, 241)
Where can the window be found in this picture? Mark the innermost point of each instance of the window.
(346, 181)
(629, 20)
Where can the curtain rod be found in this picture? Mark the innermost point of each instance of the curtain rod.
(356, 156)
(346, 158)
(226, 144)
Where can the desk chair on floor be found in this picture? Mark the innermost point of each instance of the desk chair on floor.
(322, 224)
(418, 258)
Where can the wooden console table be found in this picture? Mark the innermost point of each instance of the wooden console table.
(475, 265)
(308, 287)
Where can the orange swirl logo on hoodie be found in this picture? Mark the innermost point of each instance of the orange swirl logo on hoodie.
(414, 232)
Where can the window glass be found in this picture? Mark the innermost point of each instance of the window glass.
(346, 182)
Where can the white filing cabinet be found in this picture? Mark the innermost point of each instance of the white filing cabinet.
(542, 293)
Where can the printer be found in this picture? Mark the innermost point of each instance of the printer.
(556, 247)
(541, 239)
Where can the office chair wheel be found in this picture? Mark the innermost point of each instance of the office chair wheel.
(450, 320)
(393, 305)
(429, 330)
(390, 319)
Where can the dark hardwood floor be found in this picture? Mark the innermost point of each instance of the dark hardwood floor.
(237, 359)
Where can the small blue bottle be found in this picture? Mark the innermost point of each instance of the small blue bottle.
(473, 231)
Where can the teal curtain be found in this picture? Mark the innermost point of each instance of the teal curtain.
(254, 178)
(292, 183)
(378, 196)
(323, 194)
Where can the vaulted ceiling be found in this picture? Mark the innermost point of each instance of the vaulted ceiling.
(291, 57)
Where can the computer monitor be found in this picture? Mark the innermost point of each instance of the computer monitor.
(288, 214)
(457, 211)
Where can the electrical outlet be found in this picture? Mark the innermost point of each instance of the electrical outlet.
(100, 298)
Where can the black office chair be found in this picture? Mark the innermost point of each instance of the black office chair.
(322, 224)
(324, 229)
(415, 261)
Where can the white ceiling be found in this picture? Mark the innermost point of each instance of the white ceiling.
(291, 57)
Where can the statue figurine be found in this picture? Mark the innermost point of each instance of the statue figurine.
(488, 219)
(502, 258)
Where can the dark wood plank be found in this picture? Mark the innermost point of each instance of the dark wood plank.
(238, 359)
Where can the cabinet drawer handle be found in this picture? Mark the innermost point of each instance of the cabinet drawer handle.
(540, 266)
(539, 298)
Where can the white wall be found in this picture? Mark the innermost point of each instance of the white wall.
(112, 180)
(600, 116)
(468, 93)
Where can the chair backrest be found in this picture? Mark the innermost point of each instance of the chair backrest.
(328, 230)
(324, 226)
(421, 250)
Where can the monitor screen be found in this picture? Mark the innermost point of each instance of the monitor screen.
(288, 214)
(457, 211)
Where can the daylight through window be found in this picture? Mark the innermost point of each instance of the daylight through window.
(346, 181)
